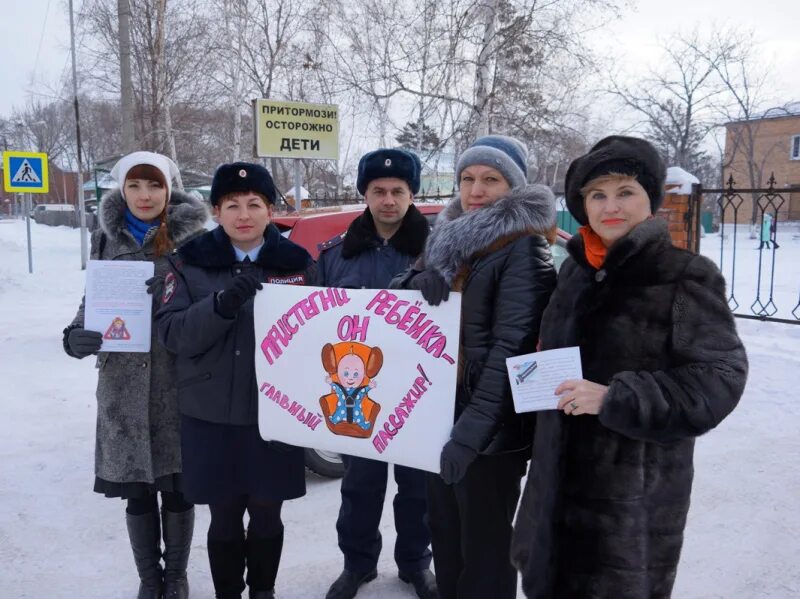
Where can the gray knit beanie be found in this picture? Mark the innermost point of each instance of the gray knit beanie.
(506, 154)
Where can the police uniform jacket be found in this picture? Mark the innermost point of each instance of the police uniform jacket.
(360, 259)
(216, 371)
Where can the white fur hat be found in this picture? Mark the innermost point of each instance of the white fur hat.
(167, 167)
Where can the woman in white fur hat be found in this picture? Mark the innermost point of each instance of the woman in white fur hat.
(137, 452)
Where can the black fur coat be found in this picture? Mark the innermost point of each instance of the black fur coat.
(605, 504)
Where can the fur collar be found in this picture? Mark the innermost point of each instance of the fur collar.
(186, 215)
(459, 236)
(214, 250)
(409, 239)
(646, 240)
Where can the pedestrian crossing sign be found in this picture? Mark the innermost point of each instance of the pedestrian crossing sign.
(25, 172)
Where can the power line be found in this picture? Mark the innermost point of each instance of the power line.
(41, 39)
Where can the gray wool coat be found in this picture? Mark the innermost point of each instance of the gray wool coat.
(138, 434)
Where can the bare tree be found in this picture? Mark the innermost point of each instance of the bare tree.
(166, 70)
(678, 99)
(733, 57)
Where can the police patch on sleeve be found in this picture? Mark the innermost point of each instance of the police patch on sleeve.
(299, 279)
(170, 284)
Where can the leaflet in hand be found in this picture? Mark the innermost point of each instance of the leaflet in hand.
(118, 305)
(535, 377)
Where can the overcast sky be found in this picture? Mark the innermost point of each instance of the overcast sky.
(34, 40)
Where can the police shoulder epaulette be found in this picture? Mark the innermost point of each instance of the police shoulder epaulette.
(326, 245)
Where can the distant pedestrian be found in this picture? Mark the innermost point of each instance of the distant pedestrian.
(767, 231)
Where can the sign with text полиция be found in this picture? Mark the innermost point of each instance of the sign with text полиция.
(296, 130)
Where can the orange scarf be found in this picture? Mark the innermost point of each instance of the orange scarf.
(593, 247)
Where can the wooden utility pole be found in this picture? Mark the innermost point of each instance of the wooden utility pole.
(79, 168)
(161, 77)
(126, 84)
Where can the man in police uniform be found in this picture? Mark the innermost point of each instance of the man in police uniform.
(381, 243)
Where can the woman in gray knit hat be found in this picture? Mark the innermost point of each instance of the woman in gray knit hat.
(492, 244)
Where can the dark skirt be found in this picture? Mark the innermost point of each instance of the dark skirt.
(225, 460)
(169, 483)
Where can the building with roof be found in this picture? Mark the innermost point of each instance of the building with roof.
(759, 147)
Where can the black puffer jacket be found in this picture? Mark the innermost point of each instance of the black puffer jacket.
(605, 504)
(499, 258)
(216, 371)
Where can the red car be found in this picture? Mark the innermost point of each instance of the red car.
(310, 228)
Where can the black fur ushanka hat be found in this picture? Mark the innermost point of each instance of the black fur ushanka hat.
(616, 154)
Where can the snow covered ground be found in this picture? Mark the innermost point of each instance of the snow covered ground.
(58, 539)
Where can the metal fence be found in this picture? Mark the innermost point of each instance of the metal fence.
(739, 232)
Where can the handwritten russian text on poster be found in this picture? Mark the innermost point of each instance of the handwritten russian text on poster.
(370, 373)
(535, 377)
(118, 305)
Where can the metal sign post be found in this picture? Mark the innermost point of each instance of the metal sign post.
(28, 209)
(298, 182)
(26, 172)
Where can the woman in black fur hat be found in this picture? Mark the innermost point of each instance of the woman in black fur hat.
(138, 451)
(491, 243)
(608, 490)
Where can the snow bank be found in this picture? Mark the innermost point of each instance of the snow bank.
(59, 539)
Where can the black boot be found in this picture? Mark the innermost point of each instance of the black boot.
(263, 559)
(423, 581)
(178, 529)
(226, 559)
(346, 586)
(145, 536)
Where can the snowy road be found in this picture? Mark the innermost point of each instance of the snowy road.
(58, 539)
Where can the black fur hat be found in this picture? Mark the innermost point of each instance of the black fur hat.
(616, 154)
(239, 177)
(388, 162)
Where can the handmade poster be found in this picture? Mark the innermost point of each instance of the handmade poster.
(369, 373)
(118, 305)
(535, 377)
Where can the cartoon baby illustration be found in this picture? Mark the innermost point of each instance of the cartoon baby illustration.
(117, 330)
(351, 368)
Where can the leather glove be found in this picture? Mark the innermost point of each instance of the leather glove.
(455, 460)
(83, 343)
(154, 285)
(231, 299)
(434, 288)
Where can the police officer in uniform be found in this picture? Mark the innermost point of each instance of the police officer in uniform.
(381, 243)
(206, 319)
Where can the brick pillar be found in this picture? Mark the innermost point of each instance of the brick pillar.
(675, 211)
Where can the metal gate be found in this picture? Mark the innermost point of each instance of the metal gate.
(735, 209)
